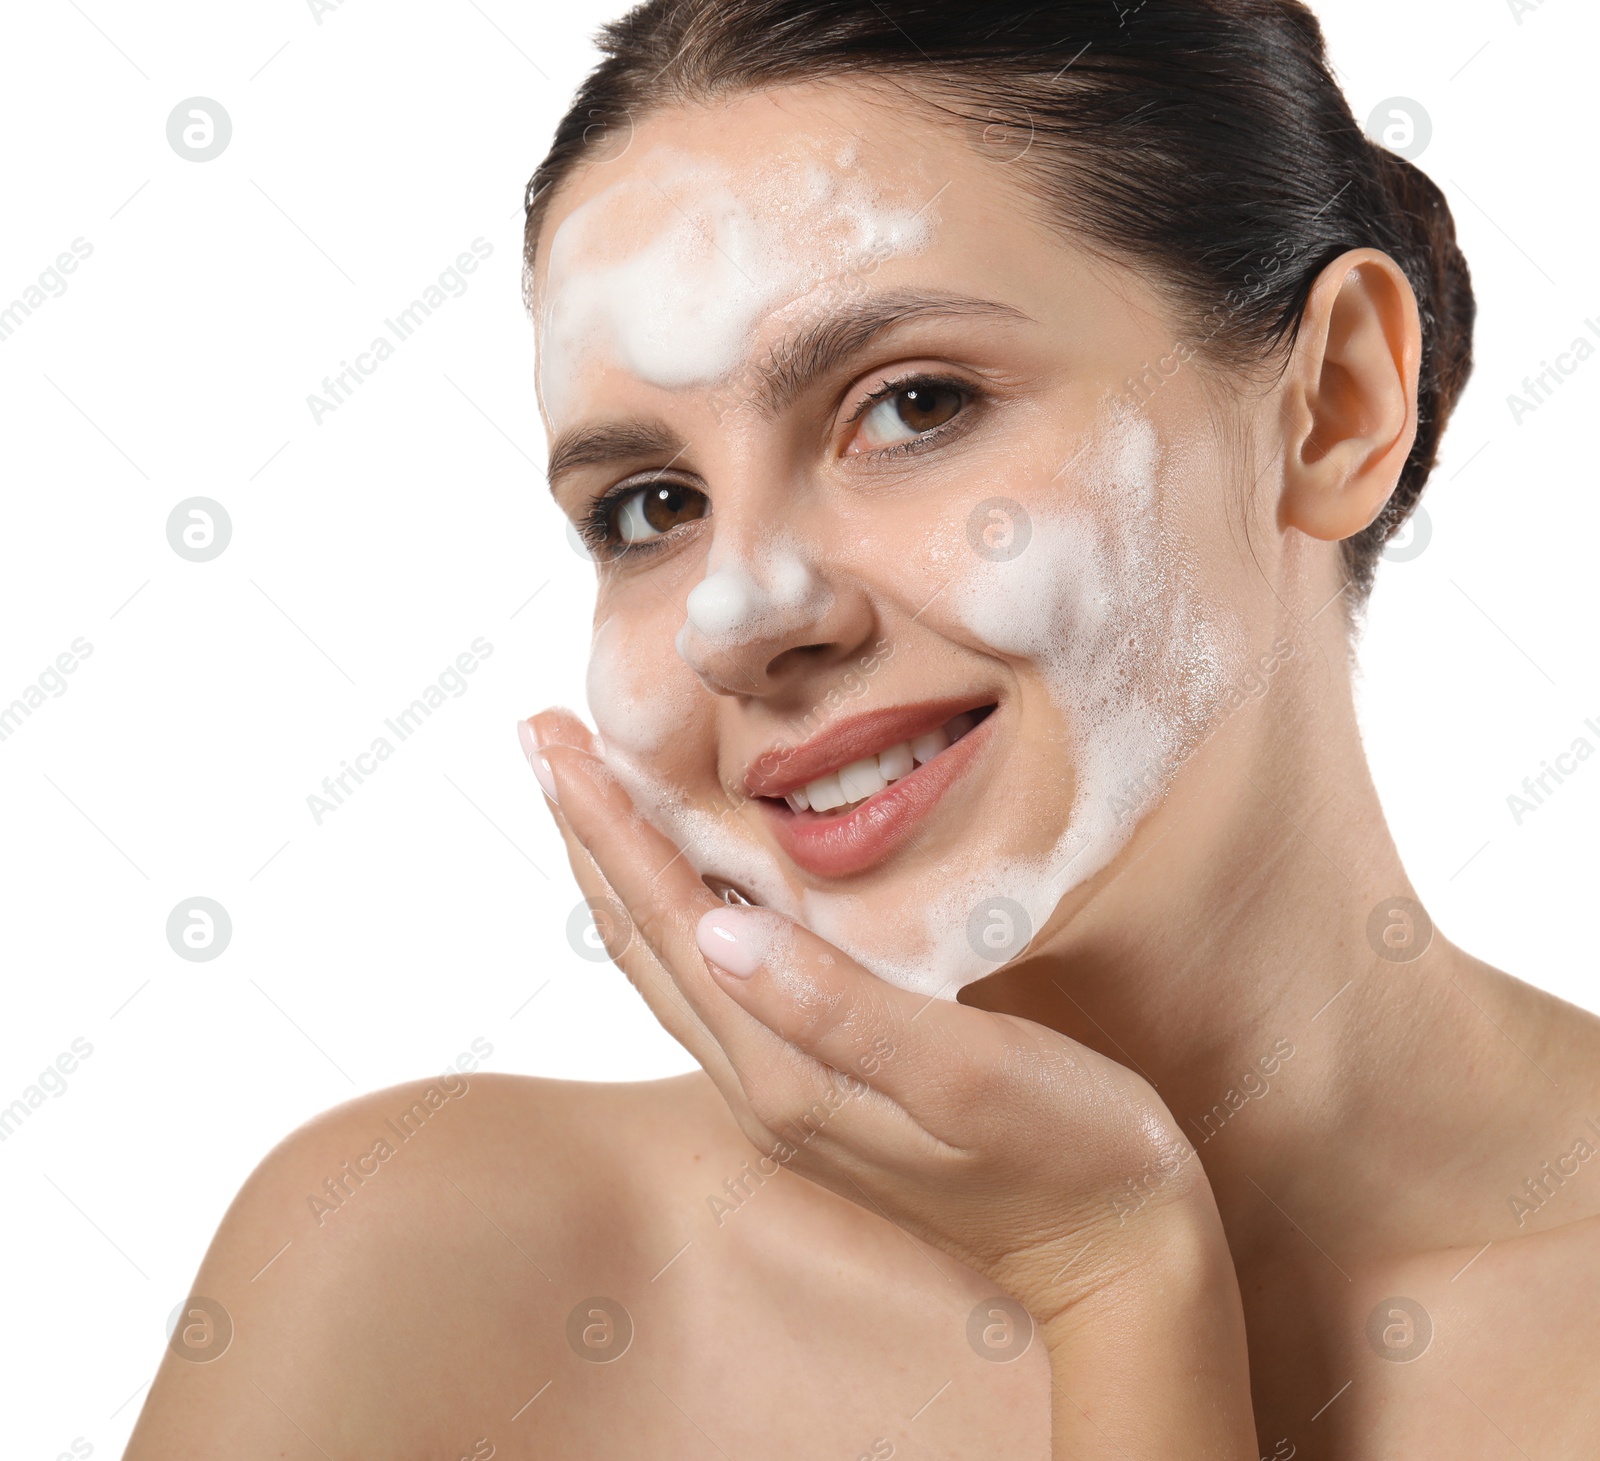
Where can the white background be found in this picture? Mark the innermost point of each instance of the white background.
(368, 151)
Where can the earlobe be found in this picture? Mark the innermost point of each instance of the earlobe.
(1350, 408)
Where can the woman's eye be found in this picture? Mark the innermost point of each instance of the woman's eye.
(907, 414)
(651, 511)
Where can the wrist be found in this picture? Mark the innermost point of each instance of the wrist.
(1175, 1257)
(1147, 1350)
(1172, 1236)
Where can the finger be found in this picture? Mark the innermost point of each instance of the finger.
(611, 919)
(615, 849)
(665, 897)
(558, 726)
(930, 1056)
(658, 886)
(614, 927)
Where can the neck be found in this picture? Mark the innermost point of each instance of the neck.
(1226, 957)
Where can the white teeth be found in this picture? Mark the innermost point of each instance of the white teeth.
(896, 762)
(861, 779)
(871, 774)
(825, 793)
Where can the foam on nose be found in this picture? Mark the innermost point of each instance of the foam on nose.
(724, 602)
(742, 601)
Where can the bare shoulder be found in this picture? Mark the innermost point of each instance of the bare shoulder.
(402, 1247)
(1499, 1338)
(1454, 1353)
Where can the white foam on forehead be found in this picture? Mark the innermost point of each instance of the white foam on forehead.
(721, 249)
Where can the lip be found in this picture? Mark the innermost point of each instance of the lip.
(833, 845)
(782, 768)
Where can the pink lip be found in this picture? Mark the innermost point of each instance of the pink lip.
(782, 768)
(832, 845)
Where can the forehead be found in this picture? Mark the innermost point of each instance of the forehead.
(776, 150)
(663, 257)
(691, 235)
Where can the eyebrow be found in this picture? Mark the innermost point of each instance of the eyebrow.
(595, 445)
(789, 368)
(796, 362)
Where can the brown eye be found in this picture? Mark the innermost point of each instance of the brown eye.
(651, 511)
(923, 407)
(908, 413)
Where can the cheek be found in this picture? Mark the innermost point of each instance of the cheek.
(657, 726)
(1095, 586)
(645, 701)
(1098, 600)
(968, 522)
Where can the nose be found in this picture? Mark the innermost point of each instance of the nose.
(763, 617)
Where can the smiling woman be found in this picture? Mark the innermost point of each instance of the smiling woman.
(985, 425)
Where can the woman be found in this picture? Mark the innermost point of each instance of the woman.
(986, 424)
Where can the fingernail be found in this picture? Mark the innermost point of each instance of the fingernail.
(541, 767)
(731, 940)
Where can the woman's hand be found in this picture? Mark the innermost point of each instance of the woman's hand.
(1057, 1173)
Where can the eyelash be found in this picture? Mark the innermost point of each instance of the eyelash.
(595, 530)
(933, 435)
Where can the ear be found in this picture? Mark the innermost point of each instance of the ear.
(1350, 407)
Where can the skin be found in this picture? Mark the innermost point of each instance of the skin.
(1005, 1143)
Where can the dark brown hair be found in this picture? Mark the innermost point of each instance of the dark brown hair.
(1206, 138)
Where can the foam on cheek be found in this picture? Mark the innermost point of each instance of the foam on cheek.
(720, 249)
(666, 275)
(634, 708)
(637, 711)
(1102, 605)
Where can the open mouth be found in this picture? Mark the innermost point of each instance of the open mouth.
(847, 800)
(844, 790)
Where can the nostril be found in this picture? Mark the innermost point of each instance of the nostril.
(796, 654)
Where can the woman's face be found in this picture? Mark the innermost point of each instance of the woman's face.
(922, 544)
